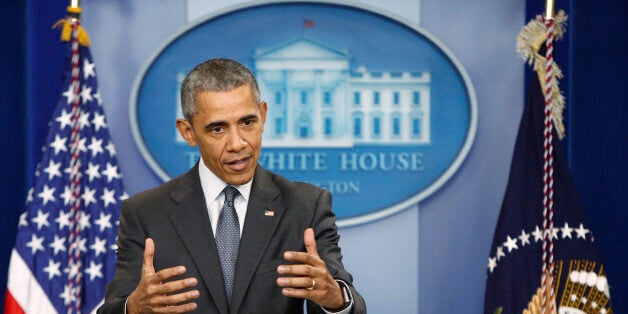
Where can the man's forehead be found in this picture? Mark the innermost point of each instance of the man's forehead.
(223, 90)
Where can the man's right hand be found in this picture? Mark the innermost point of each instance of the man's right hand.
(152, 295)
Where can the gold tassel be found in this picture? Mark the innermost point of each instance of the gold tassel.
(529, 41)
(66, 32)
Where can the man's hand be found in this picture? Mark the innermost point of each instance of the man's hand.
(154, 296)
(309, 278)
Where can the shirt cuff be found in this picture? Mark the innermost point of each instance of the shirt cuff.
(347, 296)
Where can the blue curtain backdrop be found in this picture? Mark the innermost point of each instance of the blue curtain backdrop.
(12, 124)
(592, 57)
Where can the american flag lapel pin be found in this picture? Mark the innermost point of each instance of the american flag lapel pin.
(269, 213)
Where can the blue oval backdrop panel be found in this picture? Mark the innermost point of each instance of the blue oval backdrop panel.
(361, 103)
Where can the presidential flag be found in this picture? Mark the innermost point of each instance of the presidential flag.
(515, 263)
(64, 253)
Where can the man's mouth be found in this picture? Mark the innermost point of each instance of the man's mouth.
(238, 164)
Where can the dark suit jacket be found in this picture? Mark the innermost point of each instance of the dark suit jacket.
(175, 216)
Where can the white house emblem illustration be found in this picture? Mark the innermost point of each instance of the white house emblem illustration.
(381, 120)
(316, 99)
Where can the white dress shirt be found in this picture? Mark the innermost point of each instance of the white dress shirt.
(215, 198)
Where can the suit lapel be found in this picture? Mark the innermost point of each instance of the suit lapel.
(191, 220)
(257, 233)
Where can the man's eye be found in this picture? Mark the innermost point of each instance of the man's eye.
(249, 122)
(218, 129)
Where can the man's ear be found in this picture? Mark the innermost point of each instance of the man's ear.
(185, 129)
(263, 108)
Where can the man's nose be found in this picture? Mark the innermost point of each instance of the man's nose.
(236, 141)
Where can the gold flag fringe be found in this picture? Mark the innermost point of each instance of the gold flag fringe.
(66, 32)
(529, 41)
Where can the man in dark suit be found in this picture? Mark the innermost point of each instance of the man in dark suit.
(181, 247)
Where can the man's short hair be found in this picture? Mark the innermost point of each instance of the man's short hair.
(215, 75)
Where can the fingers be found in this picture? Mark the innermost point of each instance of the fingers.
(326, 293)
(296, 282)
(148, 270)
(300, 270)
(149, 254)
(153, 296)
(308, 276)
(301, 293)
(309, 257)
(310, 242)
(174, 299)
(172, 286)
(156, 294)
(166, 274)
(189, 307)
(302, 258)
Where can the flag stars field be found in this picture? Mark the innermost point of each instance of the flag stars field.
(99, 246)
(98, 97)
(524, 238)
(88, 69)
(41, 219)
(63, 220)
(103, 222)
(566, 231)
(59, 144)
(65, 119)
(23, 222)
(84, 120)
(58, 245)
(111, 149)
(35, 244)
(88, 196)
(53, 170)
(511, 244)
(581, 232)
(93, 171)
(96, 146)
(84, 221)
(492, 263)
(94, 270)
(111, 172)
(86, 94)
(52, 269)
(99, 122)
(70, 95)
(108, 197)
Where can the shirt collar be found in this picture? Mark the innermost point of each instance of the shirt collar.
(212, 185)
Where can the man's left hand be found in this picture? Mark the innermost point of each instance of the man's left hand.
(309, 278)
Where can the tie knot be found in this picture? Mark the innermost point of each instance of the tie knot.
(230, 193)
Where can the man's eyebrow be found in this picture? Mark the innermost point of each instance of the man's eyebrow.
(221, 123)
(215, 124)
(249, 117)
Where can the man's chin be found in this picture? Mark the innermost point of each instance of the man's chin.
(239, 179)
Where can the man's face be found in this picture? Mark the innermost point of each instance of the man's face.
(228, 129)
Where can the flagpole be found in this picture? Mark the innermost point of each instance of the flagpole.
(74, 9)
(547, 280)
(549, 9)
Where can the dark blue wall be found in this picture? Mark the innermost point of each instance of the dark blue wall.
(32, 61)
(598, 133)
(12, 132)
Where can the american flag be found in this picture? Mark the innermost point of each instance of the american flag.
(64, 253)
